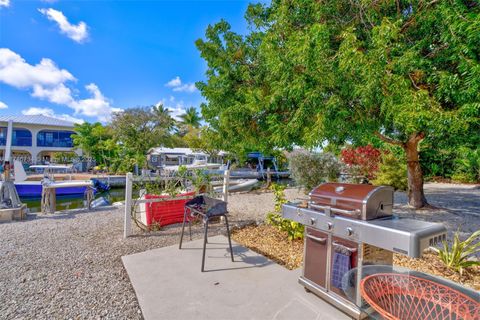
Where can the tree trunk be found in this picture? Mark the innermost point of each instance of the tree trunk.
(416, 196)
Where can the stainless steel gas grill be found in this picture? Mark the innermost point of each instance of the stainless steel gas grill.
(349, 226)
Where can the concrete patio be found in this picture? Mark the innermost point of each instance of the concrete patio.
(169, 285)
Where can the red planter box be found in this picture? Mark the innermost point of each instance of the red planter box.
(168, 211)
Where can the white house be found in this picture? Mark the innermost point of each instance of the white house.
(34, 139)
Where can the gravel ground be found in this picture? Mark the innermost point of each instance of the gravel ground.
(456, 205)
(68, 266)
(253, 206)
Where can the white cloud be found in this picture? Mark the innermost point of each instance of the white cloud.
(176, 112)
(188, 87)
(175, 82)
(34, 111)
(96, 106)
(78, 33)
(3, 105)
(15, 71)
(4, 3)
(48, 82)
(178, 86)
(58, 94)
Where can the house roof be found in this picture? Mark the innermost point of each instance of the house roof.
(182, 151)
(38, 120)
(185, 151)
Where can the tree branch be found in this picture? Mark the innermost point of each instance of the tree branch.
(388, 140)
(398, 7)
(416, 137)
(413, 82)
(412, 19)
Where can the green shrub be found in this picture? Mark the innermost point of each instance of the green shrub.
(457, 256)
(437, 162)
(392, 172)
(292, 228)
(311, 169)
(467, 165)
(279, 196)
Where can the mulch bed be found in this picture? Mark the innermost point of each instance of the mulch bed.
(431, 264)
(274, 244)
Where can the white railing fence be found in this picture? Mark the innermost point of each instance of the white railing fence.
(135, 205)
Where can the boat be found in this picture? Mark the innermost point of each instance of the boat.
(197, 164)
(33, 188)
(242, 173)
(173, 158)
(259, 168)
(236, 185)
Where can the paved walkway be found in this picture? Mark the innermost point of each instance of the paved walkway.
(169, 285)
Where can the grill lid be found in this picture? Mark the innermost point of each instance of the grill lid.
(353, 192)
(357, 201)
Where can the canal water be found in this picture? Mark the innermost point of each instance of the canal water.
(74, 201)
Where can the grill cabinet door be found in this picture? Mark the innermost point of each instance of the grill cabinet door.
(315, 259)
(353, 259)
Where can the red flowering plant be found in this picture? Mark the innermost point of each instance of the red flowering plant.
(362, 161)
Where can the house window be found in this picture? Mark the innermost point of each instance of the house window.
(3, 136)
(57, 139)
(21, 138)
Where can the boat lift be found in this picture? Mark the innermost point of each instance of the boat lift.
(11, 208)
(261, 163)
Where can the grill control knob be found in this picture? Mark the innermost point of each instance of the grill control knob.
(329, 225)
(312, 221)
(349, 231)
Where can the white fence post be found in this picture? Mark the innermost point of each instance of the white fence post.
(127, 226)
(226, 182)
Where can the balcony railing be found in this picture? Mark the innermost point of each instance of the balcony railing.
(22, 142)
(18, 142)
(55, 144)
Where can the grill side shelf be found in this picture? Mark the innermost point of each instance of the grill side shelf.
(406, 236)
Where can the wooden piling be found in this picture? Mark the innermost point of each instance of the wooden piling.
(49, 200)
(127, 226)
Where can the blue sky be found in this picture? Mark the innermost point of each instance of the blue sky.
(85, 59)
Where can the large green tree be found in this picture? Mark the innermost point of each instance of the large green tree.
(96, 141)
(341, 70)
(138, 129)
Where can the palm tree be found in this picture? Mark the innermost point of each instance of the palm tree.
(163, 116)
(191, 118)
